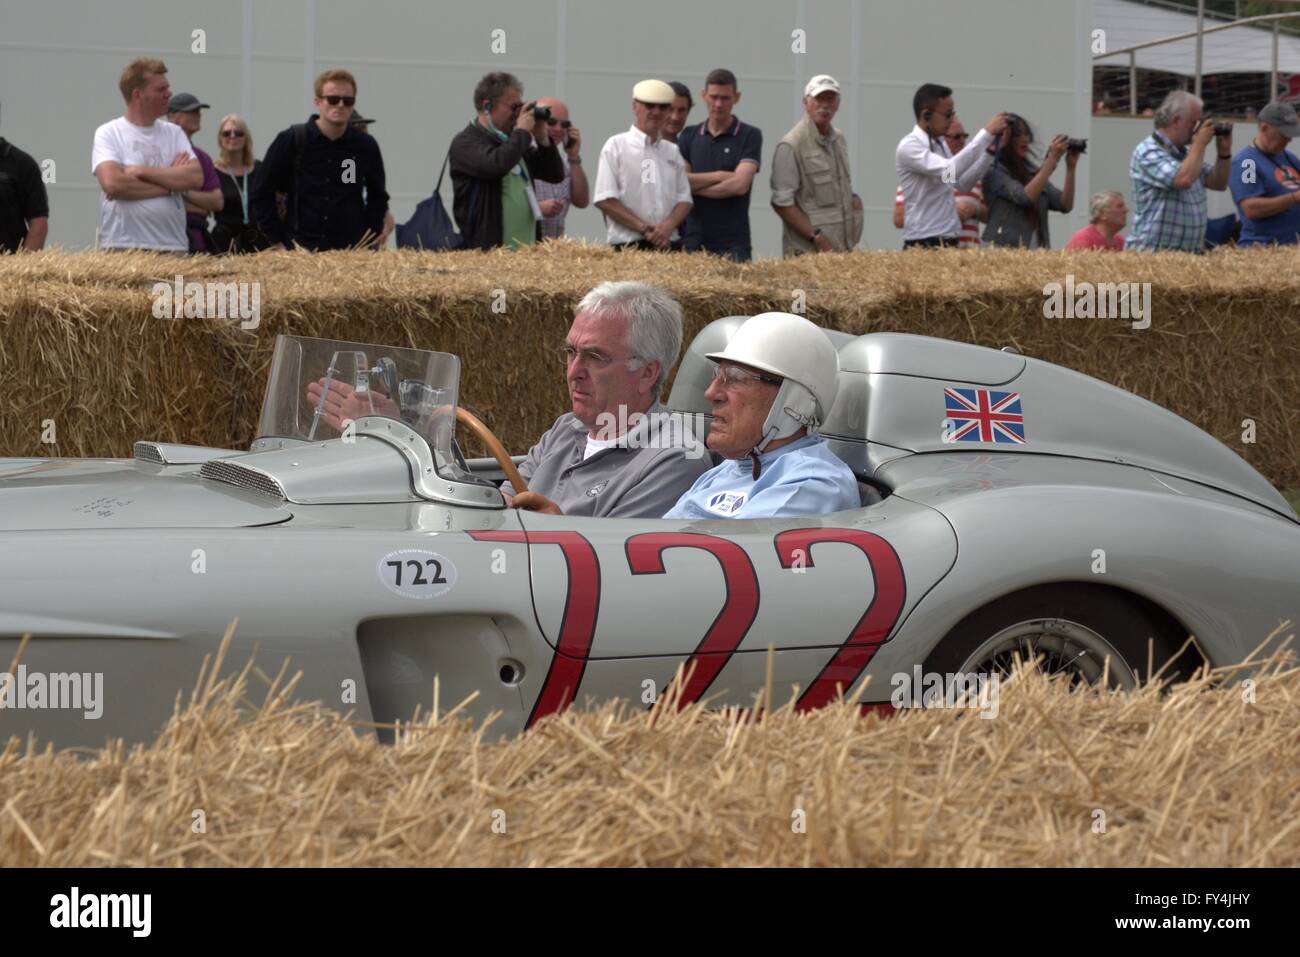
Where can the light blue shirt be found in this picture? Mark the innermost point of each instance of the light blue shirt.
(802, 478)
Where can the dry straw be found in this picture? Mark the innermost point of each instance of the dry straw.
(1202, 775)
(79, 344)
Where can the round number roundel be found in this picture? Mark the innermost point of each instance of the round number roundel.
(416, 573)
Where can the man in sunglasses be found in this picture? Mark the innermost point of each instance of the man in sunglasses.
(971, 208)
(774, 386)
(331, 173)
(617, 454)
(641, 182)
(928, 170)
(555, 199)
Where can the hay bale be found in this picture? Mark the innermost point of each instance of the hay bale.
(1189, 778)
(79, 343)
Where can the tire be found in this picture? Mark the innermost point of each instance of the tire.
(1071, 628)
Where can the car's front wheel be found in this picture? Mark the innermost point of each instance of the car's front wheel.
(1084, 631)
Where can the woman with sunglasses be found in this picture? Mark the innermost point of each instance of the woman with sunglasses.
(234, 229)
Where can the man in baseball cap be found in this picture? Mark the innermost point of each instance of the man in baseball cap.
(643, 205)
(183, 110)
(1265, 181)
(822, 216)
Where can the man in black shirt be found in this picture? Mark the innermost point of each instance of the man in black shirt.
(332, 174)
(24, 207)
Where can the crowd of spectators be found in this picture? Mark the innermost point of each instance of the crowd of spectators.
(664, 184)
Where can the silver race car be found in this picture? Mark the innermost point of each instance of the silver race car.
(1009, 507)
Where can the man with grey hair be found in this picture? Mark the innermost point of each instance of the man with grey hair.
(1170, 177)
(617, 454)
(1107, 215)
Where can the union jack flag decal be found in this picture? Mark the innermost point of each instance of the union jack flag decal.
(982, 415)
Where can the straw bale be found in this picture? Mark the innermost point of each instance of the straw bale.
(1195, 776)
(79, 344)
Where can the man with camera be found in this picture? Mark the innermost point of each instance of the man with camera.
(494, 161)
(572, 192)
(1170, 176)
(928, 171)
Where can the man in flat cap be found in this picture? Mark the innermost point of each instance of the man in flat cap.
(641, 182)
(183, 110)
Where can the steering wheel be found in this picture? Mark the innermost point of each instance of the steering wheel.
(475, 425)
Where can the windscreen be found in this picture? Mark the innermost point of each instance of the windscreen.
(317, 386)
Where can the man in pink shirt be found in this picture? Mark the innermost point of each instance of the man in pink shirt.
(1107, 214)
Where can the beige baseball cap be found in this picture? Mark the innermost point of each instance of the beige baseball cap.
(653, 91)
(820, 84)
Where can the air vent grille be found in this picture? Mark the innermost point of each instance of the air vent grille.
(242, 477)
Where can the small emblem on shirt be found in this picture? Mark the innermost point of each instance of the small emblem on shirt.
(726, 503)
(597, 489)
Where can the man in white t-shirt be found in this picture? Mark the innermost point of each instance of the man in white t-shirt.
(143, 163)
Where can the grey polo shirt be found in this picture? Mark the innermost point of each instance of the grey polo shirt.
(641, 477)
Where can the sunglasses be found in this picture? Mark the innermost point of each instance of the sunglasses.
(232, 134)
(562, 124)
(337, 100)
(655, 106)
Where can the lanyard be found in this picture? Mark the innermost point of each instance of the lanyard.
(243, 193)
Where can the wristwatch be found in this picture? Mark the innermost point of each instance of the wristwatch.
(815, 233)
(575, 160)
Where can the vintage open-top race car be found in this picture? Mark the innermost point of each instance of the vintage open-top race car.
(1008, 506)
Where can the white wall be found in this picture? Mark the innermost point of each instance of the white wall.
(417, 63)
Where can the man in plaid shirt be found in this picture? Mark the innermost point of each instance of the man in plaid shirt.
(1170, 177)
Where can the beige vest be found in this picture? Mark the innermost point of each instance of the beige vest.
(825, 193)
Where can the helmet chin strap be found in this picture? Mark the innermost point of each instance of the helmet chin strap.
(794, 408)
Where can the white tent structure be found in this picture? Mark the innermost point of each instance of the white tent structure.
(1247, 49)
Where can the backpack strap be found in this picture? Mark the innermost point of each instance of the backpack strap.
(443, 172)
(299, 144)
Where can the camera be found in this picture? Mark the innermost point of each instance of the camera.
(542, 114)
(1222, 129)
(1077, 146)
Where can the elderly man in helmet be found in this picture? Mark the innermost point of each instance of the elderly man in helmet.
(774, 386)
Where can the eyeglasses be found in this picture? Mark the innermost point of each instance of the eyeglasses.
(562, 124)
(959, 136)
(337, 100)
(589, 356)
(735, 375)
(655, 106)
(232, 134)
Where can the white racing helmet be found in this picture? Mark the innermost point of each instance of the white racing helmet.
(799, 352)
